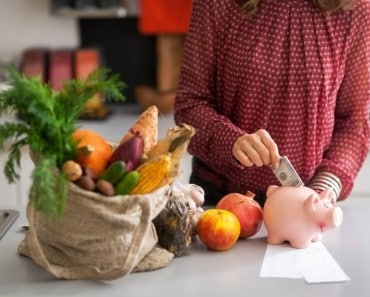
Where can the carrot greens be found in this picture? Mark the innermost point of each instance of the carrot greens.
(45, 121)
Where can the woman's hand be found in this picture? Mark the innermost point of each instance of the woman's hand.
(257, 149)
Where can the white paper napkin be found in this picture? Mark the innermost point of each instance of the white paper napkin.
(314, 264)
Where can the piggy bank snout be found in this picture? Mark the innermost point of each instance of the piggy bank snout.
(337, 216)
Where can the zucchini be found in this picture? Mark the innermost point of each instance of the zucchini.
(114, 173)
(128, 182)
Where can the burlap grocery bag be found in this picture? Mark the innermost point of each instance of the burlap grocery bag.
(99, 237)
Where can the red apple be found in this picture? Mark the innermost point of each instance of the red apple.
(247, 210)
(218, 229)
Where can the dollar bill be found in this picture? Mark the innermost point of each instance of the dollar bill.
(286, 174)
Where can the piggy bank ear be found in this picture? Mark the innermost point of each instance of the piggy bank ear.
(271, 189)
(328, 195)
(311, 203)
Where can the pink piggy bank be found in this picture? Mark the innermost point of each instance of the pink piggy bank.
(299, 215)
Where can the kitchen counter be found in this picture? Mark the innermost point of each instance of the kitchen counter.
(204, 273)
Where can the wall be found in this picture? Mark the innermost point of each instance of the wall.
(29, 23)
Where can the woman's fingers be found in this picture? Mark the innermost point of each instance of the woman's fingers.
(256, 149)
(274, 156)
(244, 159)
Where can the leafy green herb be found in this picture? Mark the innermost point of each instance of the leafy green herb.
(46, 122)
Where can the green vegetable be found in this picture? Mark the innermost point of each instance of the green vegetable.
(128, 182)
(114, 173)
(47, 121)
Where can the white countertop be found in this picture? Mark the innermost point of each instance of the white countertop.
(203, 272)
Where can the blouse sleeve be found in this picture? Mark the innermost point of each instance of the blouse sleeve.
(350, 142)
(195, 101)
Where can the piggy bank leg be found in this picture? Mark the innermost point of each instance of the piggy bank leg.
(300, 244)
(274, 239)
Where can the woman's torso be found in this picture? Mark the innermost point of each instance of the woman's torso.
(281, 71)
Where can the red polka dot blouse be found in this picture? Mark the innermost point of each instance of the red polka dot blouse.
(299, 73)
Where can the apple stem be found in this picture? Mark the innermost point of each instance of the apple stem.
(250, 194)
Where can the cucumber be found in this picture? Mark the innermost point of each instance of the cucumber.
(114, 173)
(127, 183)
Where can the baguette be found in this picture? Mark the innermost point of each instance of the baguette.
(147, 127)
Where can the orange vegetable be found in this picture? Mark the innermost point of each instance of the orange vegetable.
(94, 151)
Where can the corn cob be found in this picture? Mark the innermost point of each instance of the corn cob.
(154, 173)
(176, 139)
